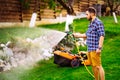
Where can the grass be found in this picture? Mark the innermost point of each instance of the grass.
(7, 33)
(47, 70)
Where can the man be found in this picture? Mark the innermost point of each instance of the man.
(95, 37)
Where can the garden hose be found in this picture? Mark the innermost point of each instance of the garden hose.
(78, 50)
(82, 59)
(81, 56)
(88, 70)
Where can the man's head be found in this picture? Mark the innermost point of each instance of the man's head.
(90, 12)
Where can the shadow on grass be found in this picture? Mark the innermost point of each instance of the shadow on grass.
(110, 34)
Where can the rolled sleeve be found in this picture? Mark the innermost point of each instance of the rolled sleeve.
(100, 29)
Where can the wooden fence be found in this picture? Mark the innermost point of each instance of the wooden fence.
(10, 10)
(13, 11)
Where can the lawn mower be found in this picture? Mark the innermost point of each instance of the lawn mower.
(66, 59)
(63, 57)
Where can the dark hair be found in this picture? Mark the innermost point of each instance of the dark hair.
(91, 10)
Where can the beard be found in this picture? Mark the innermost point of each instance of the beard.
(90, 18)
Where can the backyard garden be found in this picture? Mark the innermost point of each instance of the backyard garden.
(47, 70)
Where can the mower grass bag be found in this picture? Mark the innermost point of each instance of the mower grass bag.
(63, 59)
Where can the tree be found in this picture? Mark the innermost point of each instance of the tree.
(68, 5)
(113, 4)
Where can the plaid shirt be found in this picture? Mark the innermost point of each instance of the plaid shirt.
(95, 30)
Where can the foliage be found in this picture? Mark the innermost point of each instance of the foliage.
(68, 40)
(52, 4)
(25, 4)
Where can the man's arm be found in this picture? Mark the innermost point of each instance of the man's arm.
(101, 40)
(79, 35)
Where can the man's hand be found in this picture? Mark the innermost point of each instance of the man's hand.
(79, 35)
(98, 51)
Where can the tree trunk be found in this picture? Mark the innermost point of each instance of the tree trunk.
(68, 7)
(110, 4)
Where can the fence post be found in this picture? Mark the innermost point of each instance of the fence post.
(115, 19)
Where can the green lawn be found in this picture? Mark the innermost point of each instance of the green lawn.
(7, 34)
(47, 70)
